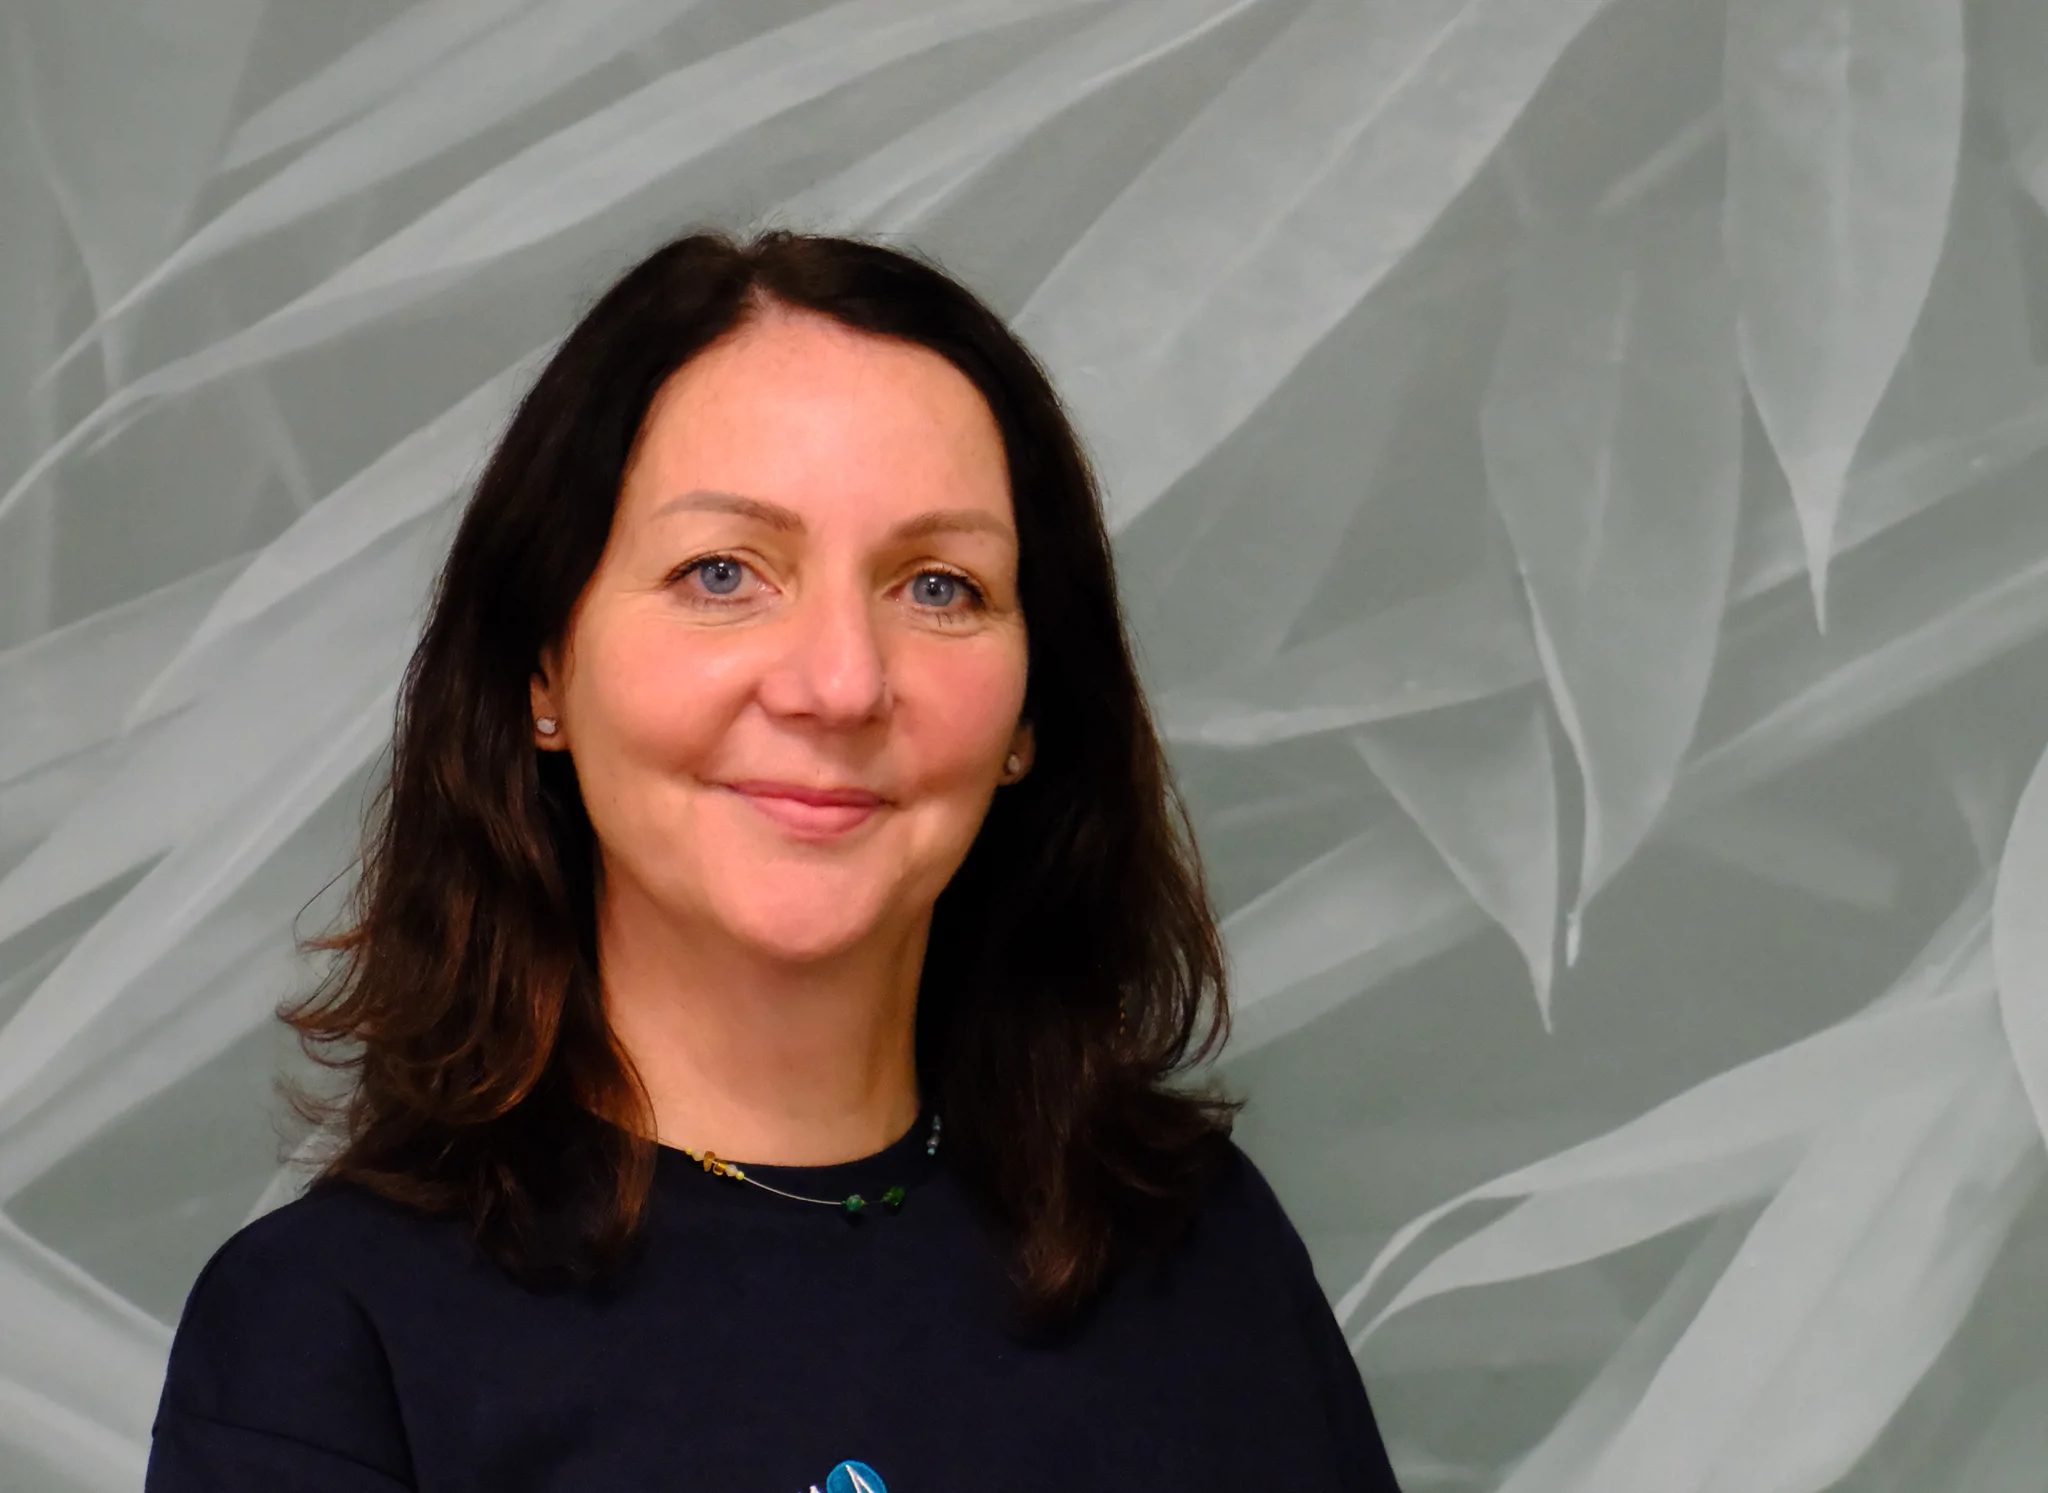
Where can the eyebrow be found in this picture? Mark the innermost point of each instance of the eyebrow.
(775, 516)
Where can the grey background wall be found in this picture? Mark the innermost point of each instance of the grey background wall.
(1578, 473)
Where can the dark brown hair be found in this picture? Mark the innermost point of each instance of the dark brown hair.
(1073, 971)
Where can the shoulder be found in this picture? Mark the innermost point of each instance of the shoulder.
(312, 1256)
(1237, 1183)
(1237, 1245)
(1245, 1247)
(1240, 1208)
(1252, 1248)
(279, 1334)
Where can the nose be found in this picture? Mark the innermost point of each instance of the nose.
(833, 666)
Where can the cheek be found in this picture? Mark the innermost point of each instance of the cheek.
(968, 702)
(652, 697)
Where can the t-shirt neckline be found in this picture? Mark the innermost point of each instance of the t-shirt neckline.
(902, 1162)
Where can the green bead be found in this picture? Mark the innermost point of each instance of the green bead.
(893, 1197)
(854, 1203)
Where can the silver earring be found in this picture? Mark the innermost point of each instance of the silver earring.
(546, 724)
(1011, 763)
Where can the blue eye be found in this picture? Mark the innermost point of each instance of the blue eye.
(946, 581)
(720, 563)
(934, 590)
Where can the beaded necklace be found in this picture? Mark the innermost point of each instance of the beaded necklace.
(852, 1204)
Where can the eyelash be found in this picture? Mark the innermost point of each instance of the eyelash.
(977, 598)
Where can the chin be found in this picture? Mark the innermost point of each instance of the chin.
(802, 929)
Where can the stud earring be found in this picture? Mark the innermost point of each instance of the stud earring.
(546, 725)
(1011, 763)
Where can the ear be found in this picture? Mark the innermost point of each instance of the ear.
(543, 704)
(1024, 744)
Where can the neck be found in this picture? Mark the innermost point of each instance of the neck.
(760, 1059)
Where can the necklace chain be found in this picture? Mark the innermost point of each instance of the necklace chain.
(852, 1204)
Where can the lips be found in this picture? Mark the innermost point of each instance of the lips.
(809, 813)
(852, 798)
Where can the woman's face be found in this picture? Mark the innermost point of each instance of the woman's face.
(810, 583)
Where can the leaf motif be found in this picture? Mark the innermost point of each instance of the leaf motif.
(94, 1359)
(1572, 1317)
(120, 1059)
(1263, 525)
(1940, 620)
(1720, 1131)
(42, 1433)
(596, 162)
(19, 981)
(897, 188)
(1927, 1261)
(568, 178)
(2019, 939)
(67, 690)
(1472, 641)
(268, 706)
(1464, 644)
(1902, 485)
(1852, 1279)
(410, 481)
(2015, 47)
(1971, 351)
(1559, 1462)
(1613, 437)
(1793, 850)
(190, 882)
(531, 52)
(1275, 212)
(1984, 783)
(1720, 1135)
(1576, 1222)
(221, 980)
(382, 63)
(126, 103)
(2014, 1448)
(1376, 904)
(1922, 616)
(33, 805)
(1418, 1468)
(1480, 785)
(1844, 125)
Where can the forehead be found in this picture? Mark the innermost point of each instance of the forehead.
(803, 411)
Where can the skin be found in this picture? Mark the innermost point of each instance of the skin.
(763, 979)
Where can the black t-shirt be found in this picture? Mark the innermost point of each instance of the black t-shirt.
(342, 1344)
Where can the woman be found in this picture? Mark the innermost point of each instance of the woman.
(770, 969)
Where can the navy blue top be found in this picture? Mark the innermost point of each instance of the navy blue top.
(342, 1344)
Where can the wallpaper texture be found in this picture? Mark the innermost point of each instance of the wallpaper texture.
(1579, 471)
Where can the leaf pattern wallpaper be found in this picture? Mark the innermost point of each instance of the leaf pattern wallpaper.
(1579, 471)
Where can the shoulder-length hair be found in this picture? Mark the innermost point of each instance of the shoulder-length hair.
(1073, 972)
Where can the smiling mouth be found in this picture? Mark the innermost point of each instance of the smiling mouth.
(805, 794)
(807, 819)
